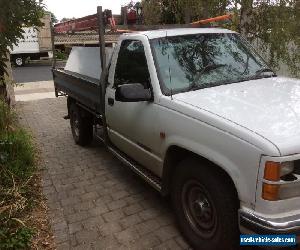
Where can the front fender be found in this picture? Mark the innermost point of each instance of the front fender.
(238, 159)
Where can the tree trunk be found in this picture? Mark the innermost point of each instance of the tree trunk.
(6, 89)
(187, 15)
(245, 20)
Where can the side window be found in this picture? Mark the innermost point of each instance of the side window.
(131, 64)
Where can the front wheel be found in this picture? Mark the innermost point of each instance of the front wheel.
(206, 206)
(81, 126)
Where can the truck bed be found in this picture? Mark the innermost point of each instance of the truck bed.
(83, 89)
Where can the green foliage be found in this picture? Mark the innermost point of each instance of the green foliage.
(17, 154)
(7, 118)
(17, 164)
(152, 12)
(272, 25)
(61, 55)
(54, 20)
(14, 14)
(19, 239)
(181, 11)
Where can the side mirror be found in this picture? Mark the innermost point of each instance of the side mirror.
(134, 92)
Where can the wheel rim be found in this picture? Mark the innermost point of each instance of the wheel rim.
(19, 61)
(199, 209)
(75, 124)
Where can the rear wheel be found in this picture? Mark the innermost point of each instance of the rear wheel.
(19, 61)
(206, 206)
(81, 126)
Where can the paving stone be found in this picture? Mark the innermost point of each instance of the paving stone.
(127, 236)
(168, 245)
(98, 210)
(109, 228)
(79, 216)
(148, 241)
(75, 227)
(131, 220)
(63, 246)
(147, 227)
(119, 195)
(116, 204)
(132, 209)
(94, 201)
(86, 236)
(84, 205)
(166, 233)
(89, 196)
(93, 223)
(113, 216)
(149, 213)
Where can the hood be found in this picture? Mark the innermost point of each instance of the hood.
(269, 107)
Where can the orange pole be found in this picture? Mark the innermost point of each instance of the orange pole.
(213, 19)
(126, 31)
(204, 21)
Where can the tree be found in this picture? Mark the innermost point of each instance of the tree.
(15, 14)
(66, 19)
(54, 20)
(181, 11)
(152, 12)
(271, 25)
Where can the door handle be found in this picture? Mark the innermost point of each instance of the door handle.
(111, 101)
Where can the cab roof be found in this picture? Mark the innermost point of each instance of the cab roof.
(152, 34)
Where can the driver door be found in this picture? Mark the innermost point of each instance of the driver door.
(132, 126)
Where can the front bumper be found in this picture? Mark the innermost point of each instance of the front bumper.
(256, 224)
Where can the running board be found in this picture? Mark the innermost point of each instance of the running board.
(147, 175)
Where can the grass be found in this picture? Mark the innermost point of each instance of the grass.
(17, 168)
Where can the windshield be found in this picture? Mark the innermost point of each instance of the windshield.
(191, 62)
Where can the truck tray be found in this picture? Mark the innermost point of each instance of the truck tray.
(82, 88)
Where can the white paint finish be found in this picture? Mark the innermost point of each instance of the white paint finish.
(86, 61)
(235, 155)
(225, 124)
(269, 107)
(29, 44)
(231, 125)
(132, 125)
(152, 34)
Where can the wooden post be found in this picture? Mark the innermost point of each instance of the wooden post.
(101, 30)
(124, 15)
(53, 49)
(53, 44)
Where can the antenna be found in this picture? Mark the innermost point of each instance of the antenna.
(170, 76)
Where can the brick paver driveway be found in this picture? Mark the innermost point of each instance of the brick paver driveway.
(94, 201)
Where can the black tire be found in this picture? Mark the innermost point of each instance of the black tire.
(81, 126)
(205, 191)
(19, 61)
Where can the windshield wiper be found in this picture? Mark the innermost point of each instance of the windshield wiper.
(259, 72)
(207, 68)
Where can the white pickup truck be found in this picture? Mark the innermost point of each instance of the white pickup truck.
(199, 115)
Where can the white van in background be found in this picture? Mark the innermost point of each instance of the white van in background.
(35, 45)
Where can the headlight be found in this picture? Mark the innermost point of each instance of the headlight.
(286, 168)
(275, 173)
(275, 170)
